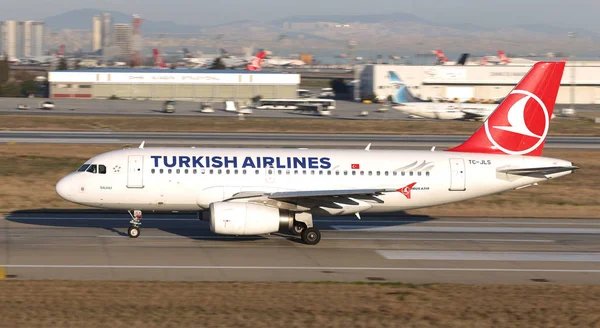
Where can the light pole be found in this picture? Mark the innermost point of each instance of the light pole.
(572, 36)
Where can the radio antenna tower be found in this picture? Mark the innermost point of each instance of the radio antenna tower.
(136, 42)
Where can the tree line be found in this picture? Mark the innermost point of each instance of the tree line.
(19, 84)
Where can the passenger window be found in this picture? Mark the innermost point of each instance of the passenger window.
(345, 172)
(287, 172)
(320, 172)
(378, 173)
(419, 173)
(256, 171)
(337, 172)
(328, 172)
(161, 171)
(178, 171)
(186, 171)
(278, 172)
(243, 171)
(403, 173)
(170, 171)
(202, 171)
(295, 171)
(312, 172)
(394, 173)
(304, 172)
(235, 171)
(92, 169)
(427, 173)
(210, 171)
(102, 169)
(362, 172)
(370, 172)
(152, 171)
(353, 172)
(410, 173)
(219, 171)
(194, 171)
(226, 171)
(386, 173)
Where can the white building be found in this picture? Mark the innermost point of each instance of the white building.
(492, 82)
(106, 31)
(10, 35)
(33, 39)
(22, 39)
(97, 33)
(168, 84)
(122, 38)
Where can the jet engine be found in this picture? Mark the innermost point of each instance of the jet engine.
(248, 219)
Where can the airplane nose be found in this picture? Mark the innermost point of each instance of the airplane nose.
(63, 188)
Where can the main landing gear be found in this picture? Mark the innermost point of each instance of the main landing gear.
(134, 228)
(303, 227)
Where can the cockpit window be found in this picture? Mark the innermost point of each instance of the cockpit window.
(92, 169)
(101, 169)
(83, 168)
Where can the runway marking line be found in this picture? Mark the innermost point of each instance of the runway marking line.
(490, 256)
(200, 267)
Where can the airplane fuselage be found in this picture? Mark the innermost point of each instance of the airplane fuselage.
(190, 179)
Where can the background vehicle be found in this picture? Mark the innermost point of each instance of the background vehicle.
(48, 105)
(169, 107)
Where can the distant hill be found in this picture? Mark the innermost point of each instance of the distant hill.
(81, 19)
(365, 19)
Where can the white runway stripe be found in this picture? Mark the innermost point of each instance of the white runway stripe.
(217, 267)
(468, 229)
(490, 256)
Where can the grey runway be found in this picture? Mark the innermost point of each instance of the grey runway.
(265, 139)
(94, 245)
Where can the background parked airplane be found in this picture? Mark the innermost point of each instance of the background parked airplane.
(405, 102)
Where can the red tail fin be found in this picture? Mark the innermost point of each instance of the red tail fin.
(61, 50)
(440, 56)
(519, 125)
(256, 62)
(158, 61)
(503, 57)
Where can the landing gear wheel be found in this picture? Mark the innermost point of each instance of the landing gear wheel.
(311, 236)
(133, 232)
(297, 229)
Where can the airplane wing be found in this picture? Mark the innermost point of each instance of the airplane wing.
(539, 172)
(309, 199)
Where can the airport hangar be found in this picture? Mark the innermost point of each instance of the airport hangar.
(490, 82)
(167, 84)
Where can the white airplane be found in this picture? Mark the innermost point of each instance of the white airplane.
(407, 103)
(261, 191)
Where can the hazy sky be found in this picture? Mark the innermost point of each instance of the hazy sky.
(572, 14)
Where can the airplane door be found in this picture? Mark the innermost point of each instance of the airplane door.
(457, 174)
(135, 171)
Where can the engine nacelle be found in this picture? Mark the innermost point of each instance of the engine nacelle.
(248, 219)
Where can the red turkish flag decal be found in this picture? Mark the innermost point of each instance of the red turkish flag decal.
(355, 166)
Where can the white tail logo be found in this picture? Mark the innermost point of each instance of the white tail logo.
(516, 119)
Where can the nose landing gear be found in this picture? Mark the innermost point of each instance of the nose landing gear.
(136, 222)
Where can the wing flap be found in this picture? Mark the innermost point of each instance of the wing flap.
(327, 193)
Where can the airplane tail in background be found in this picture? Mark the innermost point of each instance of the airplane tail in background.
(256, 62)
(503, 57)
(158, 60)
(483, 61)
(520, 124)
(402, 94)
(440, 56)
(61, 51)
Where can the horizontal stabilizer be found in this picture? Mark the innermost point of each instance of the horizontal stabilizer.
(539, 172)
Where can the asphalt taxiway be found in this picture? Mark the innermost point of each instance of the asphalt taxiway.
(82, 246)
(265, 139)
